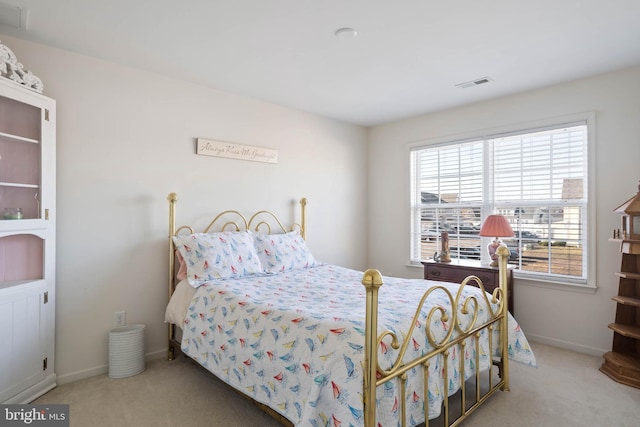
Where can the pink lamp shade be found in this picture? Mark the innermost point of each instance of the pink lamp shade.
(495, 226)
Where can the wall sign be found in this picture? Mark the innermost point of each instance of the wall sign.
(230, 150)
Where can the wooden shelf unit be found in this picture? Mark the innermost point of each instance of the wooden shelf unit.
(622, 363)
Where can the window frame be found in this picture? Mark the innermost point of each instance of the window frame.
(544, 279)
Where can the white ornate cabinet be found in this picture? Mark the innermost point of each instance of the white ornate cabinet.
(27, 236)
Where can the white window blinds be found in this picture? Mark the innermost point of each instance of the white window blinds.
(536, 178)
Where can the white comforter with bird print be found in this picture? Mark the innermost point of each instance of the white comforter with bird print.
(295, 342)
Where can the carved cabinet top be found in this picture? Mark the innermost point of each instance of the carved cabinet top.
(11, 69)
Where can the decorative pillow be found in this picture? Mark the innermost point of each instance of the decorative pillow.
(282, 252)
(223, 255)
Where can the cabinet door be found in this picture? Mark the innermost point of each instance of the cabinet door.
(22, 316)
(27, 158)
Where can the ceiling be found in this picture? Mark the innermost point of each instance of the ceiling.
(406, 59)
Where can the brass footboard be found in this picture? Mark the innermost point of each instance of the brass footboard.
(375, 376)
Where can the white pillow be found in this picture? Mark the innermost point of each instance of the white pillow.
(210, 256)
(283, 252)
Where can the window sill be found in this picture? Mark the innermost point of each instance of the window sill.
(555, 285)
(538, 283)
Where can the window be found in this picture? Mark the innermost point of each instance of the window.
(536, 178)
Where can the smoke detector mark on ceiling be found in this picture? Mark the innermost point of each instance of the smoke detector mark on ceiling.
(346, 33)
(476, 82)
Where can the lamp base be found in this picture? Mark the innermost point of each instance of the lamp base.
(492, 248)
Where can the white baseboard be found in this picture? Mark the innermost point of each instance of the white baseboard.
(162, 354)
(35, 391)
(80, 375)
(104, 369)
(156, 355)
(578, 348)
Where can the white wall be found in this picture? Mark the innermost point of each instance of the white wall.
(126, 138)
(553, 315)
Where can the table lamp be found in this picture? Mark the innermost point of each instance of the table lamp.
(495, 226)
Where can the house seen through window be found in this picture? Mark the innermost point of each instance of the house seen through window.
(536, 178)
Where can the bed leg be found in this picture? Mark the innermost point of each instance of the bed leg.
(171, 352)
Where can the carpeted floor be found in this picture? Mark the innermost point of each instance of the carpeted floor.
(567, 389)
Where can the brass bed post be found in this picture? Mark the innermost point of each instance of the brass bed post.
(503, 256)
(372, 280)
(303, 221)
(173, 199)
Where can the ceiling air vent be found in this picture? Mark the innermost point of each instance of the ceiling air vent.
(476, 82)
(12, 16)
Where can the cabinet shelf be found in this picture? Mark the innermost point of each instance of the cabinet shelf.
(630, 331)
(19, 283)
(625, 275)
(623, 240)
(11, 137)
(626, 300)
(18, 185)
(35, 226)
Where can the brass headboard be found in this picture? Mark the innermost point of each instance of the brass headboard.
(262, 221)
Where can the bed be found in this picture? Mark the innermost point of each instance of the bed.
(322, 345)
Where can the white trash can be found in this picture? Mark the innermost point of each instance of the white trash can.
(126, 351)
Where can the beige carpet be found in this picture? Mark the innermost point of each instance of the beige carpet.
(567, 389)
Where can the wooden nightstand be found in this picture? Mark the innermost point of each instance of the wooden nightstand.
(457, 270)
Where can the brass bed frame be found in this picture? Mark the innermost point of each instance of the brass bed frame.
(374, 375)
